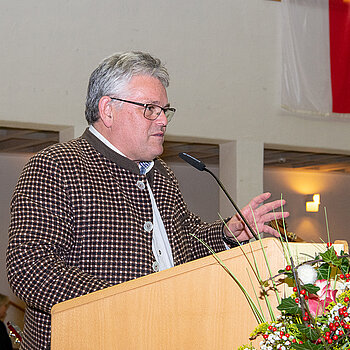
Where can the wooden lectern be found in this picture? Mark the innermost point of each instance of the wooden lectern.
(196, 305)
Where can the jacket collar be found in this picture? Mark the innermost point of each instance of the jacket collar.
(118, 159)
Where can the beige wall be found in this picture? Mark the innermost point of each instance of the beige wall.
(334, 189)
(224, 59)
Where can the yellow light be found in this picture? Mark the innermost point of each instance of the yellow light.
(312, 206)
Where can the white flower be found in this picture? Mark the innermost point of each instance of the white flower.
(342, 286)
(307, 274)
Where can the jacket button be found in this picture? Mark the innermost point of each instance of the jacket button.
(148, 226)
(140, 185)
(155, 266)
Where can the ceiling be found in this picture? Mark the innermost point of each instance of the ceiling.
(273, 158)
(18, 140)
(324, 162)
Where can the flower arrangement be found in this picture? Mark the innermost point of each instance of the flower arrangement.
(317, 314)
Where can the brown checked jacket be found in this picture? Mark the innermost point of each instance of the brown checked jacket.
(78, 218)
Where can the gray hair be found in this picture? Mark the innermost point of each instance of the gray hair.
(115, 72)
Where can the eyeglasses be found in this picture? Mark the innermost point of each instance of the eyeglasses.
(151, 111)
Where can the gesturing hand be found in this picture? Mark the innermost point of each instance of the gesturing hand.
(262, 213)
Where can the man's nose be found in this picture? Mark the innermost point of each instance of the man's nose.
(162, 119)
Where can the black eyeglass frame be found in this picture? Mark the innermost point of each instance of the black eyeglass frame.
(146, 105)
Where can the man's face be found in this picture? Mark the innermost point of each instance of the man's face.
(138, 138)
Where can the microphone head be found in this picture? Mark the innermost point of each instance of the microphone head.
(192, 161)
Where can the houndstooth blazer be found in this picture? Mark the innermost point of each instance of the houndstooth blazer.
(78, 218)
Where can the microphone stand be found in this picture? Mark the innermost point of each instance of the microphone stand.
(202, 167)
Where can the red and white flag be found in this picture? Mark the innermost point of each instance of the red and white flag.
(316, 56)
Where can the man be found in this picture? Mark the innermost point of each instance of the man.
(103, 209)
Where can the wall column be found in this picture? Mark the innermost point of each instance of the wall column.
(241, 171)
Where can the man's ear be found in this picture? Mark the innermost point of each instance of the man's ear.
(105, 110)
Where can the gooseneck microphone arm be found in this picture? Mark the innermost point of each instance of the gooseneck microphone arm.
(202, 167)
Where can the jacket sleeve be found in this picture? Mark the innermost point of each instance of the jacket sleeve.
(203, 233)
(40, 234)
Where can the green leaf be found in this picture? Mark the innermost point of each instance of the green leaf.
(307, 345)
(331, 257)
(309, 332)
(311, 288)
(290, 306)
(264, 283)
(324, 271)
(344, 266)
(287, 273)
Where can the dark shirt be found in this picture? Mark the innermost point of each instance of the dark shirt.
(5, 341)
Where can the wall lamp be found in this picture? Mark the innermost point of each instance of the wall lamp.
(312, 203)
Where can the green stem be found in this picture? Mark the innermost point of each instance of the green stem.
(328, 235)
(256, 296)
(265, 257)
(258, 316)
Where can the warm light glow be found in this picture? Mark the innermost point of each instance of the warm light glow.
(312, 206)
(303, 182)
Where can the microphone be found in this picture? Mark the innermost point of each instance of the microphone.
(202, 167)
